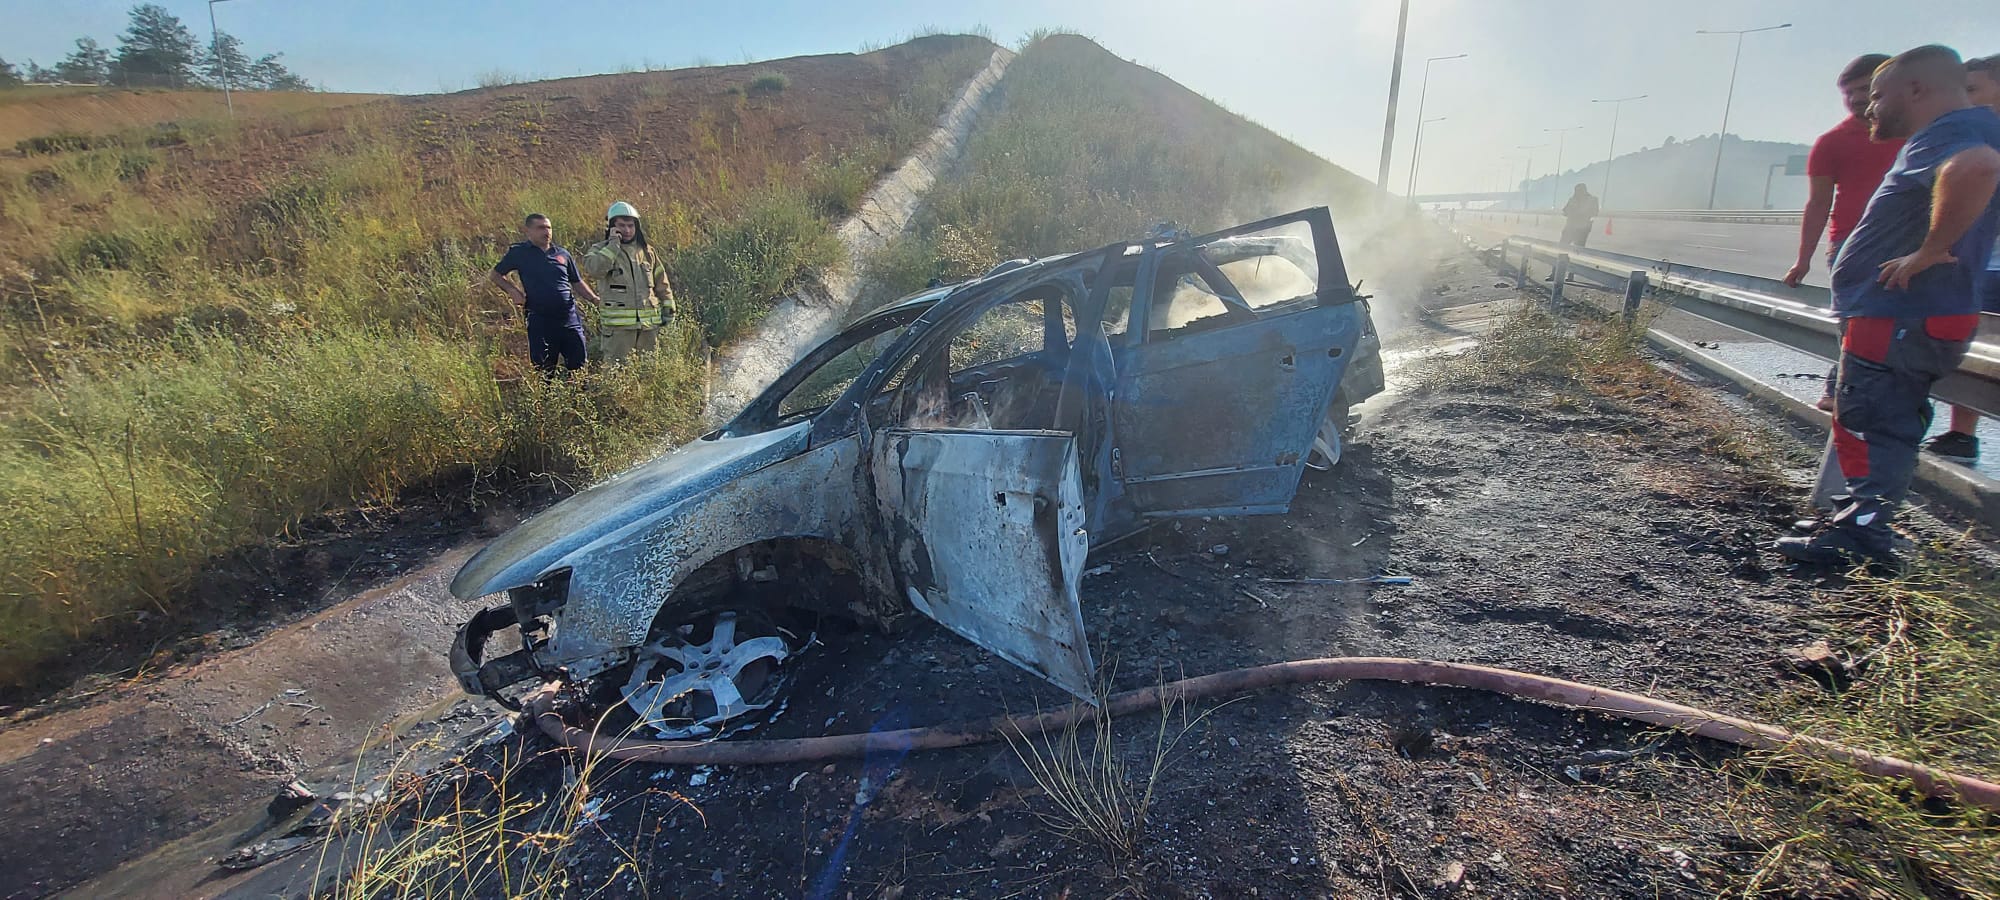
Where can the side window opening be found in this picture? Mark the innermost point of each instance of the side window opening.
(1268, 268)
(1185, 298)
(1000, 371)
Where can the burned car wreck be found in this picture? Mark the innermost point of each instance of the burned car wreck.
(954, 454)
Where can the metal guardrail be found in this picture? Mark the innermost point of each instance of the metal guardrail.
(1744, 216)
(1794, 317)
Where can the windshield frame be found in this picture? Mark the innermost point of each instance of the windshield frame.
(762, 413)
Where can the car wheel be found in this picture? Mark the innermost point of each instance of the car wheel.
(1331, 439)
(721, 673)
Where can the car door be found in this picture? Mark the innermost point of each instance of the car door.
(1217, 403)
(986, 531)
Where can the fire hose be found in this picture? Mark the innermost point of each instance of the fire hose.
(1931, 782)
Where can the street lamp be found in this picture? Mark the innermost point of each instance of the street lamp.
(1411, 191)
(214, 46)
(1562, 134)
(1422, 95)
(1604, 193)
(1395, 81)
(1716, 174)
(1528, 170)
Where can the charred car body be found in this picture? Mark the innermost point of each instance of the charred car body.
(955, 454)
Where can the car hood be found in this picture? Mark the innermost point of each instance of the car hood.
(535, 547)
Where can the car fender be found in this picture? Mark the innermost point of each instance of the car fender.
(619, 583)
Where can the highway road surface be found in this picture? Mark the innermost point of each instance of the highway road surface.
(1752, 249)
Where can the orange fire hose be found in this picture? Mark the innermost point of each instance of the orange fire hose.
(1927, 780)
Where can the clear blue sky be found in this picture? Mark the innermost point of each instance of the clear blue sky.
(1315, 71)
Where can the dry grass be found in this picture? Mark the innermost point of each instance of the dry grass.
(496, 830)
(28, 112)
(191, 363)
(1100, 791)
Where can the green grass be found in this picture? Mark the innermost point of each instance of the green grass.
(1089, 149)
(1929, 645)
(185, 370)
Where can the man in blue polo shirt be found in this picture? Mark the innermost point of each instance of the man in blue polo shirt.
(548, 275)
(1905, 287)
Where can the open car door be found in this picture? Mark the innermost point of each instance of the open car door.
(1246, 334)
(987, 532)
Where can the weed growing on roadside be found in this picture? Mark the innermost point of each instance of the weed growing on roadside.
(1095, 795)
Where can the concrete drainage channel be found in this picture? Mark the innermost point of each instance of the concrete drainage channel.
(815, 312)
(1770, 373)
(343, 697)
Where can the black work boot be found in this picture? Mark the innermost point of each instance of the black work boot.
(1858, 534)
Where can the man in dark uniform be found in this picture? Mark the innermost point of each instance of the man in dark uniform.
(1904, 289)
(548, 276)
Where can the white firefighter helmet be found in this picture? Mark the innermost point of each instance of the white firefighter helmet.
(621, 208)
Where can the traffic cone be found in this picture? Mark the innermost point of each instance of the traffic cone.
(1607, 226)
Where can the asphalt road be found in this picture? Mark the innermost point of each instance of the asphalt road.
(1765, 250)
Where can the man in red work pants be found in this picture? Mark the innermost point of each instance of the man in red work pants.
(1904, 286)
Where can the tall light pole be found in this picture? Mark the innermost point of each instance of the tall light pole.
(1395, 81)
(1604, 193)
(1422, 95)
(215, 45)
(1716, 174)
(1411, 191)
(1528, 170)
(1562, 134)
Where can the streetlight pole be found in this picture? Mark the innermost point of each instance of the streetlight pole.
(1716, 174)
(1528, 170)
(1422, 95)
(1604, 193)
(1395, 81)
(214, 46)
(1562, 134)
(1411, 191)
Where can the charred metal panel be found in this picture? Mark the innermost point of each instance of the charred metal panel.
(1222, 419)
(535, 547)
(619, 582)
(988, 534)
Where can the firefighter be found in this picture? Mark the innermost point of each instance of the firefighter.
(634, 296)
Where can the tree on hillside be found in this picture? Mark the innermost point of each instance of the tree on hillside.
(266, 73)
(9, 76)
(87, 64)
(225, 62)
(271, 75)
(156, 50)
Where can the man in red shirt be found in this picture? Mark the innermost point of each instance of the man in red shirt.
(1846, 166)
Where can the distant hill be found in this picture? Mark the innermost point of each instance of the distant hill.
(1676, 176)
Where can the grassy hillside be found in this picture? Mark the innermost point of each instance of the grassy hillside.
(33, 111)
(209, 338)
(1089, 148)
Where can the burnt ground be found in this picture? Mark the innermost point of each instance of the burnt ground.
(1543, 530)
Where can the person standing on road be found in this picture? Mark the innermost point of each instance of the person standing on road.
(548, 277)
(1845, 166)
(637, 299)
(1904, 287)
(1961, 443)
(1577, 216)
